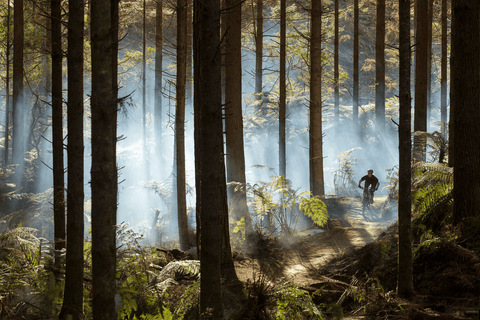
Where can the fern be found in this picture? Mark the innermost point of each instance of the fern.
(295, 303)
(426, 174)
(315, 209)
(345, 185)
(436, 142)
(432, 198)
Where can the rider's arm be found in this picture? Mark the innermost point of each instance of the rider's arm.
(360, 181)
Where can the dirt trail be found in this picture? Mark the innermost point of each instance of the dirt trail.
(308, 251)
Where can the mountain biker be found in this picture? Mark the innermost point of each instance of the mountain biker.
(370, 180)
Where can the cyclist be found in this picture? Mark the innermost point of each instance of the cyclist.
(370, 180)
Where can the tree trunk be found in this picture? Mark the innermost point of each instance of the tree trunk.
(429, 63)
(443, 83)
(180, 123)
(336, 74)
(380, 69)
(451, 124)
(421, 78)
(315, 133)
(283, 90)
(18, 141)
(356, 45)
(144, 93)
(405, 262)
(158, 115)
(73, 293)
(235, 157)
(57, 130)
(189, 88)
(259, 51)
(7, 87)
(104, 35)
(465, 84)
(209, 157)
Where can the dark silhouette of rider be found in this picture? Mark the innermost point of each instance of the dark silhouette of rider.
(370, 180)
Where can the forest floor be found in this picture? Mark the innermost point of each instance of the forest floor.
(300, 256)
(351, 267)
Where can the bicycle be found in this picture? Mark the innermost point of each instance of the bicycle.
(367, 198)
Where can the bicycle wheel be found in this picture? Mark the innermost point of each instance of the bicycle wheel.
(365, 203)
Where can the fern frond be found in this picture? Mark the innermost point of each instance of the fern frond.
(426, 174)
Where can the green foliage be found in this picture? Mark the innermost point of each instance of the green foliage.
(167, 315)
(384, 249)
(392, 183)
(315, 209)
(278, 204)
(295, 303)
(436, 143)
(432, 197)
(189, 304)
(343, 177)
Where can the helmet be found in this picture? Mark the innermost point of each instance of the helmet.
(370, 171)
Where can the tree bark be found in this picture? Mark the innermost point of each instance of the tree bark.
(259, 51)
(235, 157)
(144, 93)
(18, 141)
(451, 126)
(443, 83)
(7, 87)
(158, 114)
(180, 123)
(429, 62)
(380, 69)
(315, 134)
(421, 78)
(209, 157)
(405, 262)
(189, 87)
(57, 130)
(283, 90)
(356, 46)
(104, 35)
(336, 73)
(73, 293)
(465, 84)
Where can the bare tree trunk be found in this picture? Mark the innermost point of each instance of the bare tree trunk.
(73, 293)
(189, 88)
(104, 35)
(209, 150)
(405, 262)
(315, 135)
(158, 114)
(465, 84)
(7, 87)
(380, 69)
(180, 123)
(421, 77)
(451, 124)
(336, 74)
(18, 141)
(356, 46)
(429, 63)
(57, 130)
(144, 93)
(443, 84)
(259, 50)
(235, 157)
(283, 91)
